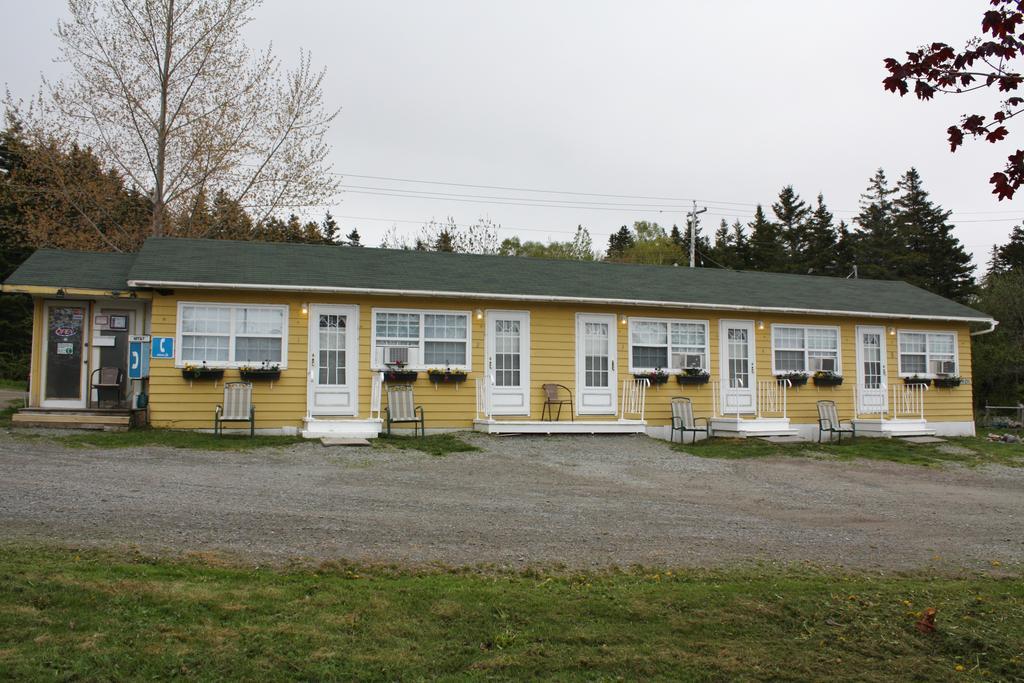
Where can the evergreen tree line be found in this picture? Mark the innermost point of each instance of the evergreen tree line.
(898, 234)
(999, 356)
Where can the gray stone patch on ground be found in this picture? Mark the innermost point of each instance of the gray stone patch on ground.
(783, 439)
(922, 439)
(582, 501)
(338, 441)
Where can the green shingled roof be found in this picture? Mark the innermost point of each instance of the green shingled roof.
(74, 269)
(298, 266)
(172, 262)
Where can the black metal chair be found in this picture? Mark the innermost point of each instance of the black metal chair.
(106, 379)
(553, 397)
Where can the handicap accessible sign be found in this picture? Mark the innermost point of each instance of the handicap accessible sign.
(163, 347)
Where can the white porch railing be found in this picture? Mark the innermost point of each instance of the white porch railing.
(634, 398)
(376, 389)
(771, 397)
(908, 400)
(483, 397)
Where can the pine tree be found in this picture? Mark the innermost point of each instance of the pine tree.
(723, 249)
(740, 246)
(619, 242)
(932, 257)
(877, 246)
(330, 229)
(1009, 256)
(229, 221)
(353, 239)
(822, 241)
(444, 241)
(767, 251)
(791, 213)
(845, 251)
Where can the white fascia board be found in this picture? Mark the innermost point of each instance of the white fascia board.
(169, 284)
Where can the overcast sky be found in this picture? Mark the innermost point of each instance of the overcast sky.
(721, 102)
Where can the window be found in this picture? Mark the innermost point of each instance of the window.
(667, 344)
(805, 349)
(421, 339)
(229, 335)
(927, 353)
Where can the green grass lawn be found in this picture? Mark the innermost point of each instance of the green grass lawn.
(6, 412)
(434, 444)
(176, 439)
(94, 615)
(969, 451)
(13, 385)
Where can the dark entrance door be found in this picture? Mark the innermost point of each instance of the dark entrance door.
(65, 338)
(113, 353)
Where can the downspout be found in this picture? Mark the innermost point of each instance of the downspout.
(991, 328)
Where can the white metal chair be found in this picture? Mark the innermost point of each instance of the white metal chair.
(683, 421)
(828, 421)
(402, 408)
(237, 407)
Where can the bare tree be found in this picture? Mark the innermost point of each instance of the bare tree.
(167, 92)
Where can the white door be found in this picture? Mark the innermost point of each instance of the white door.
(65, 361)
(739, 376)
(595, 364)
(508, 361)
(333, 360)
(871, 371)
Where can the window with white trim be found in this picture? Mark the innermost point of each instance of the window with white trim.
(927, 353)
(805, 349)
(230, 335)
(667, 344)
(421, 339)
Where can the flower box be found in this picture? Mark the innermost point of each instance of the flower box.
(796, 379)
(202, 373)
(447, 377)
(827, 380)
(689, 380)
(653, 377)
(917, 380)
(260, 374)
(947, 382)
(402, 376)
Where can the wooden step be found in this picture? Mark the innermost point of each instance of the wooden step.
(71, 420)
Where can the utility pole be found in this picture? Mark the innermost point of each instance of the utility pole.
(693, 232)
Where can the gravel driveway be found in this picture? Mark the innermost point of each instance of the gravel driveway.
(581, 501)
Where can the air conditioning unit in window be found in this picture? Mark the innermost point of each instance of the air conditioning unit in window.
(397, 355)
(823, 364)
(687, 360)
(944, 367)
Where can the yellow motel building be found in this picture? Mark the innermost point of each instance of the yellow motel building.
(321, 332)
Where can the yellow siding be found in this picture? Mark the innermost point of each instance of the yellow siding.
(36, 362)
(176, 403)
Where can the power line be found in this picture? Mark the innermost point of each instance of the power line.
(519, 203)
(525, 199)
(609, 195)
